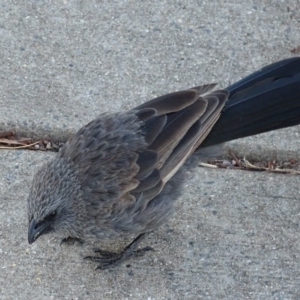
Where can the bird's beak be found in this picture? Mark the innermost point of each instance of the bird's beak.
(36, 229)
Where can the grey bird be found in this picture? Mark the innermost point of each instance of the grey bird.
(111, 178)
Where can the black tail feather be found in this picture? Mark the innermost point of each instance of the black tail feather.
(266, 100)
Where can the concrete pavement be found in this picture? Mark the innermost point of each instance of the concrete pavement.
(235, 234)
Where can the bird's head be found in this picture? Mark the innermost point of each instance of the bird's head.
(53, 204)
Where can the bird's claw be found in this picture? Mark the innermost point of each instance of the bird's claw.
(112, 259)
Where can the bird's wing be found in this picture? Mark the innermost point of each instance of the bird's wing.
(126, 158)
(174, 125)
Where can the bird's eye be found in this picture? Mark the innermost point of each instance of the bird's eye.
(51, 215)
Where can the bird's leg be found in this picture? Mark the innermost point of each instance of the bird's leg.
(70, 241)
(111, 259)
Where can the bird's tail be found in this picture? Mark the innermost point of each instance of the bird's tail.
(266, 100)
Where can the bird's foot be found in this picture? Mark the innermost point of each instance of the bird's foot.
(111, 259)
(108, 259)
(70, 241)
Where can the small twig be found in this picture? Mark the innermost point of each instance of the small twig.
(208, 165)
(250, 166)
(11, 142)
(284, 171)
(235, 158)
(244, 164)
(21, 147)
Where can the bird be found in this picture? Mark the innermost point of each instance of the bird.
(113, 177)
